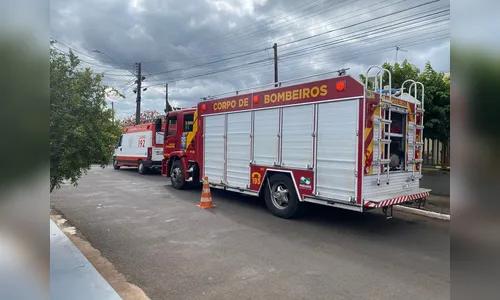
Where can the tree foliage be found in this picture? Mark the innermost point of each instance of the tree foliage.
(82, 129)
(437, 95)
(147, 116)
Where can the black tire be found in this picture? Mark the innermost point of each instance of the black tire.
(115, 164)
(280, 207)
(177, 175)
(141, 168)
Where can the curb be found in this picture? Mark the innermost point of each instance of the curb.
(421, 212)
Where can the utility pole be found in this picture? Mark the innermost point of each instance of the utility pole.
(167, 105)
(138, 99)
(113, 110)
(275, 47)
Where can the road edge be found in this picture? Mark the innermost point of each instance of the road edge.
(420, 212)
(116, 280)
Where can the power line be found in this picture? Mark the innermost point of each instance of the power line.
(387, 48)
(87, 62)
(261, 22)
(307, 29)
(219, 71)
(83, 53)
(287, 22)
(202, 57)
(213, 62)
(355, 55)
(359, 23)
(183, 69)
(379, 30)
(253, 63)
(208, 63)
(343, 39)
(100, 52)
(228, 33)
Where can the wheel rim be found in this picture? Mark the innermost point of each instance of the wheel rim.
(141, 167)
(176, 175)
(115, 163)
(280, 195)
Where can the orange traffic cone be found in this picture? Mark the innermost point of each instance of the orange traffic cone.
(206, 196)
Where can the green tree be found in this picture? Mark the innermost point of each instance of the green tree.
(82, 130)
(437, 104)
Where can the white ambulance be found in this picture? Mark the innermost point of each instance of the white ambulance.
(140, 146)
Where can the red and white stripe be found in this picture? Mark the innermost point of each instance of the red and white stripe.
(396, 200)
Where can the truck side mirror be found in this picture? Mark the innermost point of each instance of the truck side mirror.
(158, 124)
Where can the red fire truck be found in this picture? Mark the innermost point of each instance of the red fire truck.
(332, 141)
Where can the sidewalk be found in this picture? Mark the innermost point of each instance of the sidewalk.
(72, 276)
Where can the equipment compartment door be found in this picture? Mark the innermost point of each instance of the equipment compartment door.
(266, 129)
(297, 136)
(336, 149)
(238, 149)
(214, 148)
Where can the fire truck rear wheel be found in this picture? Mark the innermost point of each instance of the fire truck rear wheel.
(177, 175)
(281, 197)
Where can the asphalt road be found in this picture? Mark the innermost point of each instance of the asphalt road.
(163, 243)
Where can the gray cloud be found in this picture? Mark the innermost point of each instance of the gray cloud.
(170, 35)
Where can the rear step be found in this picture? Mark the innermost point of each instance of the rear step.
(395, 198)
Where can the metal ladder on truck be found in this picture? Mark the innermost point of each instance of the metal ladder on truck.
(418, 124)
(384, 123)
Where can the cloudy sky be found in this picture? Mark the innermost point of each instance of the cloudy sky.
(207, 47)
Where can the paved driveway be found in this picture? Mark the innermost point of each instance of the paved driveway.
(160, 241)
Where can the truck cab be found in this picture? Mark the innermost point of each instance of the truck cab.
(179, 147)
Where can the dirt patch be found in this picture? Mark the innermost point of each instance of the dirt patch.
(126, 290)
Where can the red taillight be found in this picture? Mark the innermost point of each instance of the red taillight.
(417, 156)
(150, 152)
(368, 161)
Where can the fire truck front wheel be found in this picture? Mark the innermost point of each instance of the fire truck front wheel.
(177, 175)
(281, 197)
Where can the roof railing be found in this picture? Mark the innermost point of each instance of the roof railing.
(340, 72)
